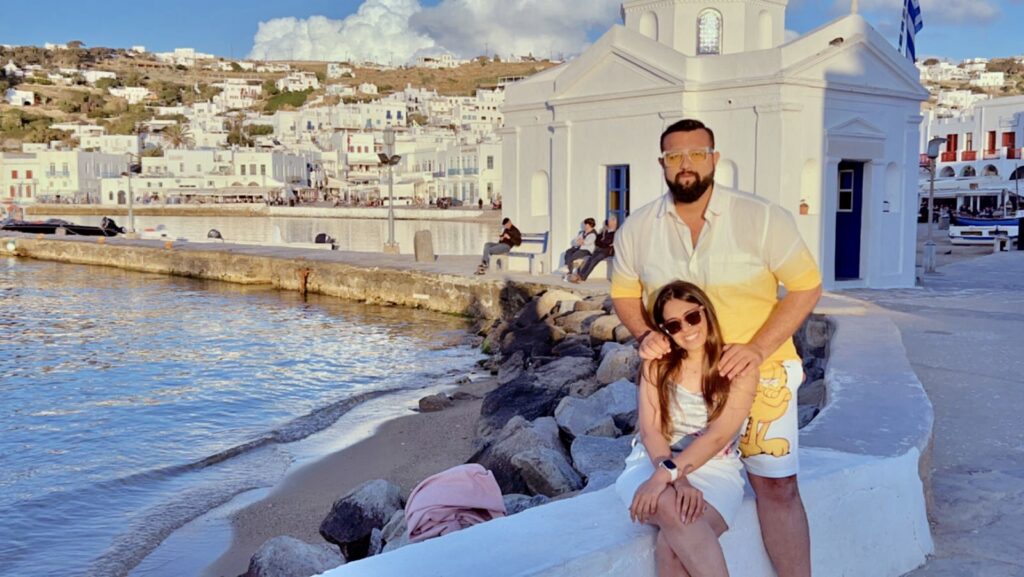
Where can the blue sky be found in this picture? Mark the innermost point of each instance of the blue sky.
(229, 28)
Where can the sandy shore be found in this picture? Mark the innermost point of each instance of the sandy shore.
(404, 451)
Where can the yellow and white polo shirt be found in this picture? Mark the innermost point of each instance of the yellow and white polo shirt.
(747, 246)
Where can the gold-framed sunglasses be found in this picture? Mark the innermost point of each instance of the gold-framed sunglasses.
(690, 319)
(696, 156)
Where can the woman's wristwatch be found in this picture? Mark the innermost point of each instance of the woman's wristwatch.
(673, 470)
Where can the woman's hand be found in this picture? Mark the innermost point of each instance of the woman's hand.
(645, 500)
(691, 501)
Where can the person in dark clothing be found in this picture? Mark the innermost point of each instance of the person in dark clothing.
(582, 246)
(603, 248)
(510, 237)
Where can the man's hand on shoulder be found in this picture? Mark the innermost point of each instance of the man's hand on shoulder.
(739, 358)
(653, 345)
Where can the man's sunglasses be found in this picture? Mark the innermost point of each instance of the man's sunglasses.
(696, 155)
(690, 319)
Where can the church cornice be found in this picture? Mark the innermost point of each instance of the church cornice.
(640, 5)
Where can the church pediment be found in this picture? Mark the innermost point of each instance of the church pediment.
(856, 128)
(853, 59)
(621, 62)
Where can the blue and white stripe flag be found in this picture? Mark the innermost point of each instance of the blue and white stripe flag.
(912, 24)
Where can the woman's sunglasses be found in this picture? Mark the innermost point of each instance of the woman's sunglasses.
(690, 319)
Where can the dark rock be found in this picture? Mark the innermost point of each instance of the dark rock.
(495, 336)
(434, 403)
(354, 516)
(559, 373)
(812, 393)
(517, 503)
(511, 368)
(585, 387)
(806, 414)
(395, 533)
(523, 397)
(618, 362)
(483, 327)
(587, 416)
(573, 343)
(547, 471)
(578, 322)
(464, 396)
(286, 556)
(376, 542)
(534, 340)
(517, 436)
(591, 455)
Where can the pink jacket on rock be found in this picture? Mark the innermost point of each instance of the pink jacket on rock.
(451, 500)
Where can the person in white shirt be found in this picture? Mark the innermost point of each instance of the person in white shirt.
(583, 245)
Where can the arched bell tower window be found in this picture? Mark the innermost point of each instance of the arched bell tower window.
(709, 32)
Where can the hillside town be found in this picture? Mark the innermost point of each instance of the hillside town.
(95, 126)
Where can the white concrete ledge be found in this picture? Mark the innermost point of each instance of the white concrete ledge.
(859, 480)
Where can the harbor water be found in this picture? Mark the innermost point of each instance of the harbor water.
(132, 403)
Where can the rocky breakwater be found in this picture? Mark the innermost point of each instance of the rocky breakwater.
(558, 422)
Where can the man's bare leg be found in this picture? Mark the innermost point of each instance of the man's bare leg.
(783, 524)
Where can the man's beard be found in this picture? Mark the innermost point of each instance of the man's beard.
(687, 194)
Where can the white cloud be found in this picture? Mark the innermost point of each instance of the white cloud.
(378, 31)
(399, 30)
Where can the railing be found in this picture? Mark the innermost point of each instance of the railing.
(969, 155)
(470, 171)
(1013, 153)
(949, 157)
(454, 172)
(991, 155)
(55, 174)
(438, 174)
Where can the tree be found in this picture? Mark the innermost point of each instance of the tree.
(178, 136)
(931, 62)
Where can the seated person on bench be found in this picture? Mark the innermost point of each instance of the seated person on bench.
(603, 249)
(582, 246)
(510, 237)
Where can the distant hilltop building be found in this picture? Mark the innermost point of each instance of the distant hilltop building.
(441, 61)
(826, 125)
(298, 81)
(138, 49)
(49, 46)
(338, 70)
(183, 57)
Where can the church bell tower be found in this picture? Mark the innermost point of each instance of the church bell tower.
(709, 27)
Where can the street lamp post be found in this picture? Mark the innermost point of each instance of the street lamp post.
(929, 244)
(390, 159)
(131, 195)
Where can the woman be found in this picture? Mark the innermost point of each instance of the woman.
(685, 475)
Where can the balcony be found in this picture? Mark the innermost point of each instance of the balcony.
(470, 171)
(454, 172)
(58, 174)
(438, 174)
(969, 155)
(948, 157)
(991, 155)
(1013, 153)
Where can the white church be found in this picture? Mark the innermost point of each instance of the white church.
(827, 125)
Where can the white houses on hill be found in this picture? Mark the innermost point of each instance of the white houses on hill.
(826, 125)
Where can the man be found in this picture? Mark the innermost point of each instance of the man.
(603, 248)
(582, 246)
(510, 237)
(738, 248)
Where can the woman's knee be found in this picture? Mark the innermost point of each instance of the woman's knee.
(666, 515)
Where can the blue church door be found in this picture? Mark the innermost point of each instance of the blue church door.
(849, 205)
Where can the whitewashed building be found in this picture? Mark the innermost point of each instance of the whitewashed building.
(298, 81)
(133, 94)
(11, 70)
(338, 70)
(238, 92)
(93, 76)
(16, 97)
(56, 175)
(827, 126)
(368, 88)
(989, 80)
(985, 141)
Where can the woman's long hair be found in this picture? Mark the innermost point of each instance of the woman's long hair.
(714, 387)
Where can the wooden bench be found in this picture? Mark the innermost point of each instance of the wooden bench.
(602, 269)
(538, 245)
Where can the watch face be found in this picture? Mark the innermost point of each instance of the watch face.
(668, 464)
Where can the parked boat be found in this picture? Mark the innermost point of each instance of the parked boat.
(50, 226)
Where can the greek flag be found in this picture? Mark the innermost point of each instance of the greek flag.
(912, 24)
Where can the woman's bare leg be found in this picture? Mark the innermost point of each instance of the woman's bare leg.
(695, 544)
(668, 564)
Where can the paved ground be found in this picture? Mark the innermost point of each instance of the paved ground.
(964, 335)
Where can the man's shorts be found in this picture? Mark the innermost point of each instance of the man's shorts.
(769, 438)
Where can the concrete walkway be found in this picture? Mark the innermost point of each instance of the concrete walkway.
(964, 335)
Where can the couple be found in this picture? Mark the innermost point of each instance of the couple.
(696, 280)
(592, 247)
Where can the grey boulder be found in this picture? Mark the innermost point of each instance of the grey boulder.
(286, 556)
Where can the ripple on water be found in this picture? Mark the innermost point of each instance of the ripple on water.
(131, 403)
